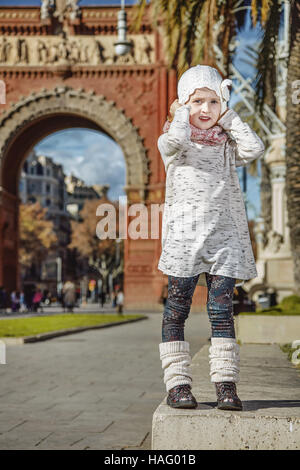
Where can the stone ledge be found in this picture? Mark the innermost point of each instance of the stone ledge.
(270, 420)
(267, 328)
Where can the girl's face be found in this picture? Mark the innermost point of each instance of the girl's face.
(205, 103)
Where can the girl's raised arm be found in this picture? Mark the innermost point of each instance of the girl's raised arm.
(178, 135)
(248, 145)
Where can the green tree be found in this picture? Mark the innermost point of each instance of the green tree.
(103, 255)
(37, 237)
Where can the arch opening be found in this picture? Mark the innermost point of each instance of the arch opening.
(36, 117)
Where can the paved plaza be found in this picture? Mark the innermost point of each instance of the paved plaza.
(92, 390)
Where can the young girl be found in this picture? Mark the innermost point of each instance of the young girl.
(204, 229)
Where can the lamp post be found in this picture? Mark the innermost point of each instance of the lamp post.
(118, 241)
(122, 46)
(59, 275)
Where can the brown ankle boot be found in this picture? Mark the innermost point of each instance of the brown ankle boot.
(227, 396)
(181, 397)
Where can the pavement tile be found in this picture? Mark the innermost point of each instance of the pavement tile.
(93, 390)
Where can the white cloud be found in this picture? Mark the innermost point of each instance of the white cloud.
(89, 155)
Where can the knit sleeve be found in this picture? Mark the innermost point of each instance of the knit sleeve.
(178, 135)
(247, 145)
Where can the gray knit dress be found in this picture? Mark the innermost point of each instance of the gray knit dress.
(204, 226)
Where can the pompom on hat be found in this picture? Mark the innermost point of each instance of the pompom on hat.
(203, 76)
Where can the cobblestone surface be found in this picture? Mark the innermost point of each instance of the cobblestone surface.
(93, 390)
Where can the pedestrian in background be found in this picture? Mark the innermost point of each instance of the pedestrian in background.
(22, 302)
(102, 298)
(37, 299)
(28, 298)
(3, 300)
(15, 301)
(69, 293)
(114, 298)
(120, 301)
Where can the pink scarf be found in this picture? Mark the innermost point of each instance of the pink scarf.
(213, 136)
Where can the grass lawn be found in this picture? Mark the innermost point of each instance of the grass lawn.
(15, 327)
(289, 305)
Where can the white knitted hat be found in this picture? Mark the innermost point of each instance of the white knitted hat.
(201, 76)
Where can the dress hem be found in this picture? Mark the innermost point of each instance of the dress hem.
(223, 273)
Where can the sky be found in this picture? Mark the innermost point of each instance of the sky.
(90, 155)
(98, 159)
(248, 36)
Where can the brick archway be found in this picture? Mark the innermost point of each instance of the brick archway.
(35, 117)
(40, 114)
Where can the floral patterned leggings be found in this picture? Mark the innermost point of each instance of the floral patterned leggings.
(178, 304)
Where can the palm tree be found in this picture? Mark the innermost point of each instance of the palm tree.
(192, 28)
(292, 140)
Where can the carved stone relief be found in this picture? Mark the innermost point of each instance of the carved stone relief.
(275, 241)
(60, 9)
(266, 200)
(88, 50)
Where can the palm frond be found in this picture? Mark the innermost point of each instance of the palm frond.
(192, 28)
(295, 14)
(240, 15)
(192, 18)
(266, 68)
(138, 11)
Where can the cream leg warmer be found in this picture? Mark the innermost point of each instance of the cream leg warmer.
(176, 362)
(224, 355)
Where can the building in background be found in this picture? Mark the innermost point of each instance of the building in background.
(78, 192)
(42, 180)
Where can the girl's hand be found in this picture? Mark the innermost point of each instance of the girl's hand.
(174, 106)
(223, 114)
